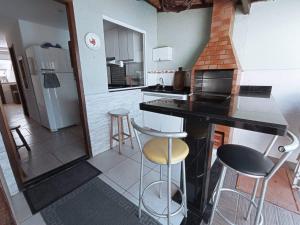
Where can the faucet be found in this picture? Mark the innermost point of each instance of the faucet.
(161, 80)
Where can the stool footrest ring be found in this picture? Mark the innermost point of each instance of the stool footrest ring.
(161, 215)
(242, 195)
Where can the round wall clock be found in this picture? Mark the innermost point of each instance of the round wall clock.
(92, 41)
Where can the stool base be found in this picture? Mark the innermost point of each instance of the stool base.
(243, 196)
(162, 215)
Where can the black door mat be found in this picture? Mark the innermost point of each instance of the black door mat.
(95, 203)
(46, 192)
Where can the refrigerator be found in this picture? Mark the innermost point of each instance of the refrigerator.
(58, 107)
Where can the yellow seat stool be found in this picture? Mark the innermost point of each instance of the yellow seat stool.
(165, 148)
(156, 150)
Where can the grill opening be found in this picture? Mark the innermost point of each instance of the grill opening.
(213, 82)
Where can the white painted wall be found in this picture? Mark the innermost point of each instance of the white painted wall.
(187, 33)
(267, 44)
(89, 18)
(37, 34)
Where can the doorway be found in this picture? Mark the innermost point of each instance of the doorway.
(48, 126)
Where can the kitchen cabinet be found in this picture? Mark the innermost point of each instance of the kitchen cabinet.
(112, 43)
(162, 54)
(159, 121)
(124, 44)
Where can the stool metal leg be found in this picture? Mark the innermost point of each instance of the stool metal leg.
(218, 193)
(184, 189)
(161, 178)
(252, 199)
(261, 202)
(169, 179)
(169, 193)
(141, 185)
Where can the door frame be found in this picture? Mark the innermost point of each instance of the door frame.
(14, 60)
(75, 60)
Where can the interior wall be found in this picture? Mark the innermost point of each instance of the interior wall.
(89, 18)
(14, 37)
(187, 33)
(37, 34)
(268, 48)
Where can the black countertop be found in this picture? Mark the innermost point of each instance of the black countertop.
(166, 89)
(245, 112)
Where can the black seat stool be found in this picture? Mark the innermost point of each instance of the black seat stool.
(25, 144)
(251, 163)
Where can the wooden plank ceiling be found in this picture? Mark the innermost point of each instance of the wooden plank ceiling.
(180, 5)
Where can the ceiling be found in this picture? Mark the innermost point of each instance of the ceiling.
(47, 12)
(178, 5)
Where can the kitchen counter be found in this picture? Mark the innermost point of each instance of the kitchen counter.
(200, 113)
(166, 89)
(245, 112)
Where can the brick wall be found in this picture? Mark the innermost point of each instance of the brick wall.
(219, 52)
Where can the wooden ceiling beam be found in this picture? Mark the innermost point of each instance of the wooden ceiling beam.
(246, 6)
(194, 6)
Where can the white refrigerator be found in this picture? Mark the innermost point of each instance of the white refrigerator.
(58, 107)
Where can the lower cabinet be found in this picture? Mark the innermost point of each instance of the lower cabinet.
(159, 121)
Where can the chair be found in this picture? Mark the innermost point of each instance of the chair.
(251, 163)
(25, 144)
(165, 148)
(119, 114)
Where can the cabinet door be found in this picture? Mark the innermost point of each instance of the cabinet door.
(112, 43)
(152, 120)
(123, 45)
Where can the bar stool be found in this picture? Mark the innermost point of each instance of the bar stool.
(164, 149)
(119, 114)
(251, 163)
(24, 142)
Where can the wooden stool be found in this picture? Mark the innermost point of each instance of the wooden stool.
(17, 129)
(119, 114)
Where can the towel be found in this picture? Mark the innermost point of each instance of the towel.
(51, 80)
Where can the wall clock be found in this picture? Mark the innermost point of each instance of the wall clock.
(92, 41)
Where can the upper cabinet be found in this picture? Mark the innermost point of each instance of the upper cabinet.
(162, 54)
(112, 43)
(124, 44)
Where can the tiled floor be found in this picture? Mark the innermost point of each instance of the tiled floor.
(49, 150)
(121, 172)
